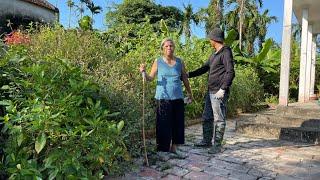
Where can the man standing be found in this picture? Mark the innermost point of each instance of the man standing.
(221, 73)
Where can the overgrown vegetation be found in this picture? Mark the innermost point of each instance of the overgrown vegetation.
(57, 124)
(67, 91)
(71, 98)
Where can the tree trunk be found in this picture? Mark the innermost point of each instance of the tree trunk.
(81, 9)
(215, 12)
(69, 16)
(220, 12)
(240, 23)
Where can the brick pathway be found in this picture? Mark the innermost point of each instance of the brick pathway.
(243, 158)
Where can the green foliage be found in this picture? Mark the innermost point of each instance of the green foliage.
(102, 63)
(231, 37)
(271, 99)
(84, 49)
(57, 124)
(214, 15)
(136, 11)
(85, 23)
(246, 91)
(266, 63)
(294, 70)
(254, 25)
(188, 17)
(124, 38)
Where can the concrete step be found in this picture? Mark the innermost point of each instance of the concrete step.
(295, 134)
(258, 130)
(270, 124)
(274, 119)
(311, 110)
(296, 122)
(301, 134)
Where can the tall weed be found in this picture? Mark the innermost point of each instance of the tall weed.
(57, 125)
(246, 91)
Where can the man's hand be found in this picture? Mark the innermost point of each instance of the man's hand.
(220, 94)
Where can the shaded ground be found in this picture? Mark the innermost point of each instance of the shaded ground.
(243, 158)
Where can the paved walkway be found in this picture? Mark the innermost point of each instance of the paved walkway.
(243, 158)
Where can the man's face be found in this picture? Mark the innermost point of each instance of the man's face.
(212, 42)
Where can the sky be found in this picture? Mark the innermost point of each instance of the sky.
(275, 9)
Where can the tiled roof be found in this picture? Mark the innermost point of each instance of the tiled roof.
(43, 3)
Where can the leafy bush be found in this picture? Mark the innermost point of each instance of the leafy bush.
(83, 49)
(271, 99)
(246, 91)
(101, 64)
(57, 125)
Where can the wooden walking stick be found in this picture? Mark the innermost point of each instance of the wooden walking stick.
(143, 118)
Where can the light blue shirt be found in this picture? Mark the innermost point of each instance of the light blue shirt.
(169, 86)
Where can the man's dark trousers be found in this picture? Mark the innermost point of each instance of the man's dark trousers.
(207, 123)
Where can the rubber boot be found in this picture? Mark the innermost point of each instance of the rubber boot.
(207, 133)
(218, 138)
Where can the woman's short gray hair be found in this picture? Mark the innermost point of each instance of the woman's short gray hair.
(165, 40)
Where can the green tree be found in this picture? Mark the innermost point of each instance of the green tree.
(215, 14)
(93, 8)
(246, 17)
(80, 9)
(188, 17)
(136, 11)
(266, 60)
(251, 28)
(264, 20)
(266, 63)
(85, 23)
(70, 5)
(245, 14)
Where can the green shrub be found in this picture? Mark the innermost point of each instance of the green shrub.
(271, 99)
(101, 64)
(246, 91)
(57, 125)
(84, 49)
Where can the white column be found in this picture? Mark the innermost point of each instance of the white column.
(303, 57)
(308, 65)
(285, 53)
(313, 65)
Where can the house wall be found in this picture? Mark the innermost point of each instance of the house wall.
(25, 9)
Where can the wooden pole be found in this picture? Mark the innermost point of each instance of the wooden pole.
(143, 119)
(240, 23)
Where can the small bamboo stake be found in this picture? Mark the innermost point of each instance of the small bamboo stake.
(143, 118)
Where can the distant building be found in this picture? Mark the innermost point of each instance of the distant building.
(22, 12)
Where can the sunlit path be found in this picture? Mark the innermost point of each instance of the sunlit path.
(242, 158)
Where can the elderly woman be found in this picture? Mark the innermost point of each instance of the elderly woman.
(169, 95)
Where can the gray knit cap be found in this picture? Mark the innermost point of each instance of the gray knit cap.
(216, 34)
